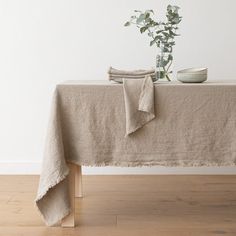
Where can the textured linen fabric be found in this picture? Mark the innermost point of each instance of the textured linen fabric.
(119, 75)
(195, 126)
(139, 103)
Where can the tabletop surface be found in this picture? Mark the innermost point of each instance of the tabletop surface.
(162, 83)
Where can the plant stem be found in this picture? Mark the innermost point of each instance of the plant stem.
(166, 74)
(169, 65)
(168, 78)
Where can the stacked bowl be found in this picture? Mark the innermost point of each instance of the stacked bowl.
(192, 75)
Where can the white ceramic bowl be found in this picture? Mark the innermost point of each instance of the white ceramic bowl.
(192, 75)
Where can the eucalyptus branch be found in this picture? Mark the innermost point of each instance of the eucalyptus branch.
(162, 33)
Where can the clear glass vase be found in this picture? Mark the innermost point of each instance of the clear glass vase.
(163, 66)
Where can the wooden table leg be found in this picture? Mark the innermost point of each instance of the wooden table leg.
(78, 182)
(69, 221)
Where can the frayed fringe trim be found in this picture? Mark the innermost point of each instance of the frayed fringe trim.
(186, 163)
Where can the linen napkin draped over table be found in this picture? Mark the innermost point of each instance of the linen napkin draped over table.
(138, 96)
(195, 126)
(139, 103)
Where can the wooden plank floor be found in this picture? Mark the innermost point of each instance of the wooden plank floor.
(128, 206)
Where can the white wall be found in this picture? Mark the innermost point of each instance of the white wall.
(44, 42)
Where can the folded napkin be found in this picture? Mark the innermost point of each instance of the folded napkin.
(139, 102)
(119, 75)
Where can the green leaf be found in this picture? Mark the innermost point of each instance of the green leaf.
(170, 57)
(147, 15)
(127, 23)
(149, 22)
(143, 29)
(158, 37)
(149, 25)
(159, 31)
(171, 8)
(166, 49)
(150, 11)
(167, 27)
(154, 23)
(152, 42)
(171, 43)
(140, 18)
(173, 33)
(165, 34)
(175, 9)
(176, 20)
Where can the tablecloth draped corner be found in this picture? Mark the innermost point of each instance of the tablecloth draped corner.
(51, 201)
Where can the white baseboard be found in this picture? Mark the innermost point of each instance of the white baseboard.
(20, 168)
(27, 168)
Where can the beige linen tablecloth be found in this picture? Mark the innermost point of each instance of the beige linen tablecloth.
(195, 125)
